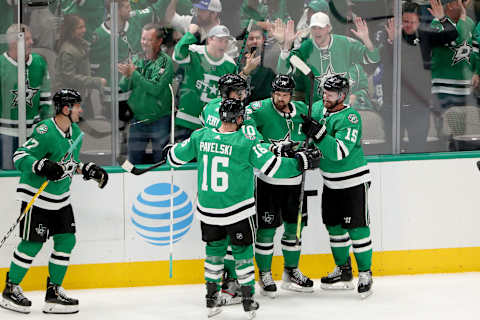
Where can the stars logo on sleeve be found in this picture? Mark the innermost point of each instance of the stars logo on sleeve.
(462, 53)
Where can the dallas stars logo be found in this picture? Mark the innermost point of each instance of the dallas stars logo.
(29, 94)
(277, 142)
(330, 72)
(462, 53)
(69, 166)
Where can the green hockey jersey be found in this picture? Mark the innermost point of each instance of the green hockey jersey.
(200, 84)
(277, 127)
(343, 163)
(37, 93)
(223, 198)
(340, 55)
(47, 140)
(209, 116)
(452, 64)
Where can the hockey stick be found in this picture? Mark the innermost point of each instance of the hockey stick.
(129, 167)
(172, 140)
(300, 65)
(242, 50)
(40, 190)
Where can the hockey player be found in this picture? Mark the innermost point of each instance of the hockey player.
(43, 157)
(346, 179)
(226, 204)
(278, 120)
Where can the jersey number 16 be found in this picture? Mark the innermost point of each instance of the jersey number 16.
(218, 179)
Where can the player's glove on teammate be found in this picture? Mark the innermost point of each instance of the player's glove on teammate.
(308, 159)
(285, 149)
(48, 169)
(91, 171)
(313, 128)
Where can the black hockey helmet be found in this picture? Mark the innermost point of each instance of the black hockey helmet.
(231, 82)
(337, 83)
(230, 110)
(283, 82)
(65, 97)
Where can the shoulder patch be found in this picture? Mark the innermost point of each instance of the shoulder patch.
(353, 118)
(256, 105)
(42, 129)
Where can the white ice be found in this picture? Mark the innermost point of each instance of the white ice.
(439, 296)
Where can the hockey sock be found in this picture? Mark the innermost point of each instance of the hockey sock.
(291, 252)
(215, 251)
(340, 243)
(57, 265)
(362, 247)
(264, 249)
(229, 264)
(22, 260)
(244, 264)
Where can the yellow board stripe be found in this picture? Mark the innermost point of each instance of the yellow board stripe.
(153, 273)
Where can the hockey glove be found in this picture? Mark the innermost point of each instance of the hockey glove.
(308, 159)
(91, 171)
(313, 128)
(286, 150)
(48, 169)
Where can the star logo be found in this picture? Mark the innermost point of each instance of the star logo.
(29, 94)
(462, 53)
(330, 72)
(69, 166)
(277, 142)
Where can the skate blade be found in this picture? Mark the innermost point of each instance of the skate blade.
(57, 308)
(228, 300)
(212, 312)
(270, 294)
(366, 294)
(289, 286)
(342, 285)
(251, 314)
(14, 307)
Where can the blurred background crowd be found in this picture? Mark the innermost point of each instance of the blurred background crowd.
(413, 67)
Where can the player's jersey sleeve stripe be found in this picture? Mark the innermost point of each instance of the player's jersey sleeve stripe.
(342, 150)
(271, 166)
(174, 161)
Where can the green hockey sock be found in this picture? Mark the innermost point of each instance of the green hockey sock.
(214, 260)
(22, 260)
(62, 248)
(362, 247)
(229, 264)
(264, 249)
(340, 244)
(244, 264)
(291, 252)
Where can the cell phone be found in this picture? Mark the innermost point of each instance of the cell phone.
(253, 49)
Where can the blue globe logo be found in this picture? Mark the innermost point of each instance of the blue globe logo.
(151, 214)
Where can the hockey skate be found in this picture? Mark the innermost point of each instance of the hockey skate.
(295, 280)
(339, 279)
(267, 285)
(57, 301)
(250, 306)
(13, 298)
(213, 307)
(365, 282)
(231, 293)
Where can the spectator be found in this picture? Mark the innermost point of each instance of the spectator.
(311, 8)
(327, 54)
(415, 82)
(148, 77)
(37, 92)
(73, 63)
(92, 12)
(206, 15)
(263, 11)
(203, 65)
(452, 58)
(260, 77)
